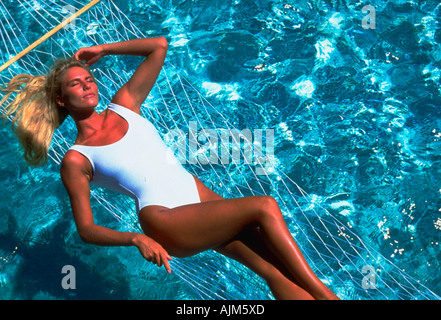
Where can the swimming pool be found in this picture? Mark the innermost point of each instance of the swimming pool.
(355, 122)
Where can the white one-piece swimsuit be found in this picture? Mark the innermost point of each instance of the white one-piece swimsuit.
(141, 166)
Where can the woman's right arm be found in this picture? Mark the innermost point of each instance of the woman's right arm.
(76, 177)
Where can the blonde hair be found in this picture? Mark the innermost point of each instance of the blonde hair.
(35, 109)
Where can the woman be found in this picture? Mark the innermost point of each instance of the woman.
(119, 149)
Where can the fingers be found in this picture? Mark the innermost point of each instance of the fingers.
(85, 56)
(90, 55)
(160, 259)
(166, 264)
(154, 252)
(78, 53)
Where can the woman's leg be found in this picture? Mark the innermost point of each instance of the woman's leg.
(249, 249)
(190, 229)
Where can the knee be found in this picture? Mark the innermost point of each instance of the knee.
(269, 207)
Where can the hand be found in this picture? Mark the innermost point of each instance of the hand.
(152, 251)
(90, 54)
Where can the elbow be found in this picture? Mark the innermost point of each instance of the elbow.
(162, 43)
(85, 235)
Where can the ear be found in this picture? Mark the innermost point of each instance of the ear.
(59, 101)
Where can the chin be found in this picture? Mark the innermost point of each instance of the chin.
(90, 104)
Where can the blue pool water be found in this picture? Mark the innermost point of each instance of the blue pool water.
(357, 125)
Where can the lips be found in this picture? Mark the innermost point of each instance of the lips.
(90, 95)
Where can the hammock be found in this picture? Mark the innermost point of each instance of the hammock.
(341, 258)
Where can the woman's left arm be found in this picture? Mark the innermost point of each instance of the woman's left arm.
(133, 93)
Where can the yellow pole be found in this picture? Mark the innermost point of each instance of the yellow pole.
(49, 34)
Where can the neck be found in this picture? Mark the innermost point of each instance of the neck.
(87, 122)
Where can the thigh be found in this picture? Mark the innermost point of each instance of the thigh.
(193, 228)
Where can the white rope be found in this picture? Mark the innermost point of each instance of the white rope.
(335, 253)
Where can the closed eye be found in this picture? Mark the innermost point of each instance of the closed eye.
(74, 82)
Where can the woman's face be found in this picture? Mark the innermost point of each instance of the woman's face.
(78, 90)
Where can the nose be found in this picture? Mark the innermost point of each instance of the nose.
(86, 85)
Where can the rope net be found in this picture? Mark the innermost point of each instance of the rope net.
(340, 257)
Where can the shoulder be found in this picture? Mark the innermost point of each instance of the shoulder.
(76, 165)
